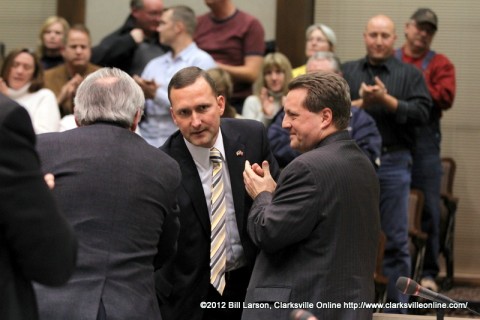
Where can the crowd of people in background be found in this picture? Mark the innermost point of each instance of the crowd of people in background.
(201, 88)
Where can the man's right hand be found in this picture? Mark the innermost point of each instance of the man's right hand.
(137, 35)
(149, 87)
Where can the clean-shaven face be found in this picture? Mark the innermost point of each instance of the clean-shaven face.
(303, 125)
(77, 49)
(379, 37)
(196, 110)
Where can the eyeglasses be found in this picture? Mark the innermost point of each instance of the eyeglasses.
(310, 39)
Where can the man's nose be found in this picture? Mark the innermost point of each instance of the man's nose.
(196, 119)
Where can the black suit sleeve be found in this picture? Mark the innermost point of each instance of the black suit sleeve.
(114, 50)
(167, 245)
(40, 240)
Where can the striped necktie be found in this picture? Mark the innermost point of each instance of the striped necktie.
(218, 256)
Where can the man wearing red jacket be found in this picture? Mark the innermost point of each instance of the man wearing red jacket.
(439, 75)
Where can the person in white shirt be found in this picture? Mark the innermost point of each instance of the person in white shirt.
(176, 29)
(22, 80)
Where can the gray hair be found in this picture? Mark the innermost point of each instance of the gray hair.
(185, 15)
(326, 30)
(329, 56)
(108, 94)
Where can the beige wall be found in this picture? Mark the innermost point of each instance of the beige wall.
(101, 24)
(459, 39)
(20, 22)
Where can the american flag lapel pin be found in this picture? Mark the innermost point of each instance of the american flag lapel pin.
(239, 153)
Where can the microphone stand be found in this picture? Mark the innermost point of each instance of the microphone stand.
(440, 313)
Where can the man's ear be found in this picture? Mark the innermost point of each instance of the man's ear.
(135, 12)
(136, 120)
(327, 117)
(221, 101)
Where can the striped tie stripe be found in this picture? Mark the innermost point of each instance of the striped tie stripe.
(218, 233)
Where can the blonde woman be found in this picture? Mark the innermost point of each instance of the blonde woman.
(269, 89)
(224, 84)
(52, 37)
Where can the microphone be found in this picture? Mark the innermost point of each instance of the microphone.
(410, 287)
(300, 314)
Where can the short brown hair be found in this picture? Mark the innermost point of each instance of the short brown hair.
(326, 90)
(188, 76)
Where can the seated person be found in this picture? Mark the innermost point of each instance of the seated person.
(224, 84)
(64, 79)
(269, 89)
(52, 40)
(21, 79)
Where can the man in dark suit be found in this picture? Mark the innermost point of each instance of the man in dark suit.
(196, 108)
(118, 193)
(318, 228)
(36, 242)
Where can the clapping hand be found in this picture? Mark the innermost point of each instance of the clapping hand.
(258, 179)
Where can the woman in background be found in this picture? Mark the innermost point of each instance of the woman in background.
(22, 80)
(319, 37)
(52, 37)
(224, 84)
(269, 89)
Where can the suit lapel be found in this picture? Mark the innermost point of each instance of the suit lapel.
(191, 182)
(236, 154)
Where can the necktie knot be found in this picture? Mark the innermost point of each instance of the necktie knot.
(215, 155)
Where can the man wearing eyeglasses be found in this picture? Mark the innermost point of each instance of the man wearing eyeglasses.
(136, 42)
(439, 74)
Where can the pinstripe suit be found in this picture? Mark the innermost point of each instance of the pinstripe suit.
(317, 232)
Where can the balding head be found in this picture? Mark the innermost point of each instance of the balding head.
(381, 20)
(379, 37)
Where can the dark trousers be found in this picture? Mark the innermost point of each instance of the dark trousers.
(427, 177)
(229, 304)
(395, 177)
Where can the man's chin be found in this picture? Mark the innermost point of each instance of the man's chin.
(199, 139)
(294, 146)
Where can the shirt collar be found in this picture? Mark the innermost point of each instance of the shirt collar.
(184, 54)
(387, 64)
(201, 155)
